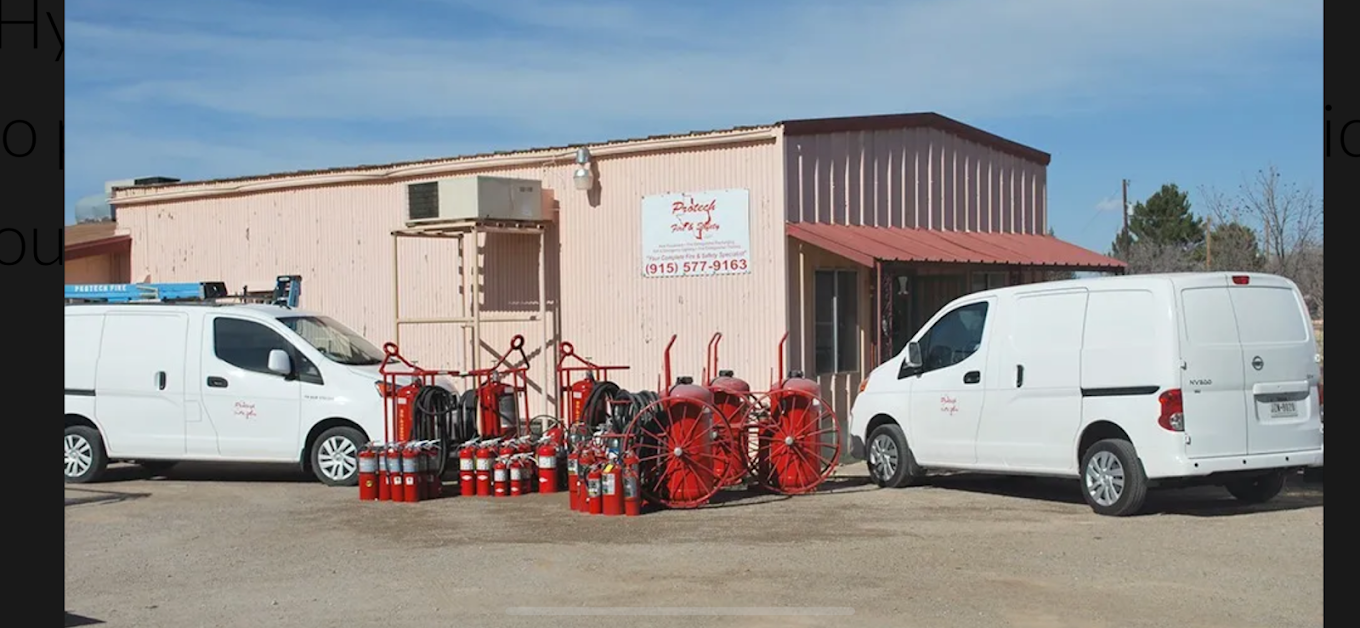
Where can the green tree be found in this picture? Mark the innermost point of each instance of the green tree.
(1165, 219)
(1233, 246)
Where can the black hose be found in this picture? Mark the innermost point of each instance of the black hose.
(434, 414)
(595, 410)
(467, 416)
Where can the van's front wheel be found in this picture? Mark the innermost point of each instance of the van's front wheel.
(335, 456)
(891, 464)
(1112, 478)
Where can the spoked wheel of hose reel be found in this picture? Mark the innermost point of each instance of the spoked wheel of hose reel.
(540, 425)
(797, 442)
(680, 443)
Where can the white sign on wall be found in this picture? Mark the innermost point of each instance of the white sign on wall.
(696, 234)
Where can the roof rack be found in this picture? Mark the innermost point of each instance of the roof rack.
(286, 293)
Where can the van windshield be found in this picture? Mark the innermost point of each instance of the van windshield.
(335, 341)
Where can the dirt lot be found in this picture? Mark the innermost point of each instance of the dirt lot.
(213, 546)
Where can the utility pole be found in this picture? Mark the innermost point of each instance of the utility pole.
(1125, 206)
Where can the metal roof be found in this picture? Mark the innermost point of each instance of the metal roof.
(867, 245)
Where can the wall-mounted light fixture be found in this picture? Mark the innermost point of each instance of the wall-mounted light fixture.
(584, 177)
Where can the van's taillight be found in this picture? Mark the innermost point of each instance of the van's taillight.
(1241, 280)
(1319, 394)
(385, 389)
(1173, 411)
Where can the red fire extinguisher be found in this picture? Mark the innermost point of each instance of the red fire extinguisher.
(611, 489)
(593, 501)
(632, 499)
(466, 478)
(516, 470)
(573, 467)
(530, 471)
(368, 474)
(499, 477)
(435, 485)
(484, 457)
(394, 467)
(410, 472)
(384, 482)
(547, 468)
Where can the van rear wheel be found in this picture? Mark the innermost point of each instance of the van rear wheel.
(85, 456)
(1259, 489)
(1112, 478)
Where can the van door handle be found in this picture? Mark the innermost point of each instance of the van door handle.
(217, 382)
(1019, 375)
(972, 377)
(160, 380)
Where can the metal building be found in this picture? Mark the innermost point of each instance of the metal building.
(846, 233)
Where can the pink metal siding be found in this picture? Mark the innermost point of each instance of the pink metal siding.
(919, 177)
(337, 238)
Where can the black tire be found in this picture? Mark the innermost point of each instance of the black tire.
(87, 456)
(1259, 489)
(157, 467)
(904, 472)
(1130, 494)
(328, 444)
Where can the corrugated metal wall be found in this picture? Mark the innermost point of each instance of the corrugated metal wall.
(337, 238)
(112, 268)
(918, 177)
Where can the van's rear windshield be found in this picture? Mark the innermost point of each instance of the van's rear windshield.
(1269, 315)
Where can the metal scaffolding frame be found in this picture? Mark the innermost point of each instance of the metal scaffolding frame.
(460, 230)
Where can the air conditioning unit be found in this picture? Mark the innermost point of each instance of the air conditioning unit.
(474, 198)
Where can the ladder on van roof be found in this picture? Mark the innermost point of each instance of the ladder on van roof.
(287, 291)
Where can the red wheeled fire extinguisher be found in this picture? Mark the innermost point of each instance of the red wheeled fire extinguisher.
(611, 489)
(593, 501)
(573, 468)
(499, 475)
(578, 393)
(547, 468)
(384, 482)
(368, 474)
(410, 472)
(516, 469)
(632, 498)
(394, 468)
(484, 457)
(467, 482)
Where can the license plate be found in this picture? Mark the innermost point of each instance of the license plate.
(1283, 409)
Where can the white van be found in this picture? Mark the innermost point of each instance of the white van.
(1127, 383)
(161, 383)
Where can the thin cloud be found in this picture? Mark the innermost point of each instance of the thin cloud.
(1110, 204)
(285, 86)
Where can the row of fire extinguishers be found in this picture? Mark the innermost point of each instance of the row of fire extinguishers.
(508, 467)
(400, 472)
(603, 479)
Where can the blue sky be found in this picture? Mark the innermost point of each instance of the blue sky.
(1197, 92)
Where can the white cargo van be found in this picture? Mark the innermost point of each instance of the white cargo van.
(161, 383)
(1127, 383)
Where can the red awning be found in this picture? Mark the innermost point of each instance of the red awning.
(867, 245)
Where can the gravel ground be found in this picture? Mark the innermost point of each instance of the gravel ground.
(222, 546)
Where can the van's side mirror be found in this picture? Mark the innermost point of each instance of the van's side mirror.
(911, 365)
(279, 362)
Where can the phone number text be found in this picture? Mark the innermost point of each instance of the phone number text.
(697, 267)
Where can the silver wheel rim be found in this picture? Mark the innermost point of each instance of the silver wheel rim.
(883, 457)
(1104, 478)
(338, 457)
(79, 455)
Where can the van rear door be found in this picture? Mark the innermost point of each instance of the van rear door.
(1280, 367)
(1212, 377)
